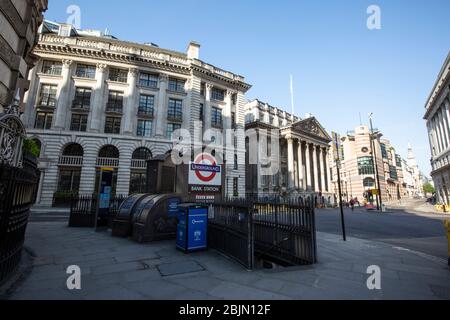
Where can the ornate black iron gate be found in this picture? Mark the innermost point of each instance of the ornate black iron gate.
(17, 193)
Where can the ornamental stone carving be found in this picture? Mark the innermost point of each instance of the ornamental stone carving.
(67, 63)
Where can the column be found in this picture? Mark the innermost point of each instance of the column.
(227, 110)
(62, 107)
(226, 115)
(445, 125)
(308, 168)
(439, 133)
(327, 168)
(322, 169)
(161, 112)
(447, 113)
(124, 171)
(98, 105)
(316, 169)
(207, 110)
(88, 170)
(29, 116)
(441, 129)
(131, 103)
(290, 144)
(301, 171)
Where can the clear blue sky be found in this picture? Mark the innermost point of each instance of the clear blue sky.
(340, 67)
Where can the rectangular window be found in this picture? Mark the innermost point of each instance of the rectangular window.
(202, 89)
(383, 151)
(216, 117)
(398, 160)
(201, 112)
(112, 125)
(171, 127)
(365, 166)
(233, 120)
(82, 98)
(138, 182)
(144, 128)
(234, 99)
(43, 120)
(115, 102)
(79, 122)
(176, 85)
(52, 67)
(175, 111)
(146, 105)
(69, 180)
(217, 94)
(235, 187)
(47, 95)
(148, 80)
(118, 75)
(393, 172)
(85, 71)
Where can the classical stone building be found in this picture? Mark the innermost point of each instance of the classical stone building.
(358, 170)
(19, 22)
(437, 116)
(412, 177)
(303, 162)
(97, 101)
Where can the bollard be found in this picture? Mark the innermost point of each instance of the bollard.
(447, 225)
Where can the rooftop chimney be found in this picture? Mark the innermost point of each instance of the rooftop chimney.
(193, 50)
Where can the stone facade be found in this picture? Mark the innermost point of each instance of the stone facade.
(358, 171)
(96, 101)
(302, 162)
(437, 116)
(19, 22)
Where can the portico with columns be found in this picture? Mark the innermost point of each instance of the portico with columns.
(308, 171)
(304, 170)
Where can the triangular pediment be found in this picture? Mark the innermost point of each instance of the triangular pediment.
(311, 127)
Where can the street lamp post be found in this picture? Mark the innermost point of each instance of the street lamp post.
(374, 154)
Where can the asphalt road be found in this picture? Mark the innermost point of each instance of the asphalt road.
(423, 233)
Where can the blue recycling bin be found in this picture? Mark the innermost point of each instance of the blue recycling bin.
(192, 227)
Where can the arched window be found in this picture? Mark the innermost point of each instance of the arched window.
(70, 164)
(138, 178)
(73, 150)
(142, 154)
(369, 183)
(109, 152)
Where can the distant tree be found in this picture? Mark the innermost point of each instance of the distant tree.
(428, 188)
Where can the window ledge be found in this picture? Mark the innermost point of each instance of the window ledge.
(93, 80)
(124, 84)
(54, 76)
(154, 89)
(179, 93)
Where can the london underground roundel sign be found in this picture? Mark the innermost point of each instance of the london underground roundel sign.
(205, 171)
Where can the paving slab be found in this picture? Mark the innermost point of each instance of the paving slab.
(117, 268)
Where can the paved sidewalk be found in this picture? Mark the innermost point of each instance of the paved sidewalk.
(114, 268)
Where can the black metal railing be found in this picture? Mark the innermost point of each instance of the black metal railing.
(282, 232)
(230, 231)
(285, 232)
(17, 193)
(83, 210)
